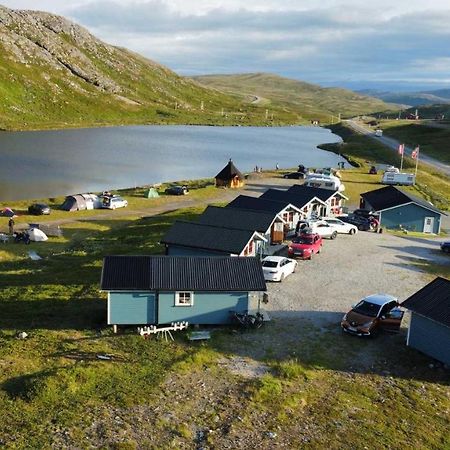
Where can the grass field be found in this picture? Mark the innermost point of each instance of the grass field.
(363, 151)
(433, 141)
(321, 389)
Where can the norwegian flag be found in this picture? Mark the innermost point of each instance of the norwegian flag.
(415, 153)
(401, 149)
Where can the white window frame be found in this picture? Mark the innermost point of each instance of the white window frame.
(177, 299)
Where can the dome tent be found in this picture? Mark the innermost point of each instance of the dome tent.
(37, 235)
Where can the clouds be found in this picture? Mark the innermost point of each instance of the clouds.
(320, 41)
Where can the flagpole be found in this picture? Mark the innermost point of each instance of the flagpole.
(417, 159)
(401, 161)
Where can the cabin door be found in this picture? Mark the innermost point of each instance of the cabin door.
(428, 225)
(277, 233)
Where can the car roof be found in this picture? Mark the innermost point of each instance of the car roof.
(274, 258)
(379, 299)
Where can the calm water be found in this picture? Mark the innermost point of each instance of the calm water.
(41, 164)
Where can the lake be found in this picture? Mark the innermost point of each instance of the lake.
(40, 164)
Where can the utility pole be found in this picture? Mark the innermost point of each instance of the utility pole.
(267, 113)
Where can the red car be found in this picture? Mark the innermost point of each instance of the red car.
(305, 245)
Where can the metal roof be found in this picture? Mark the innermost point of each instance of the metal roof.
(432, 301)
(306, 192)
(299, 200)
(258, 204)
(391, 197)
(239, 219)
(150, 273)
(208, 237)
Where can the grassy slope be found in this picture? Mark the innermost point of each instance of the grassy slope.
(38, 92)
(434, 142)
(309, 100)
(319, 392)
(364, 151)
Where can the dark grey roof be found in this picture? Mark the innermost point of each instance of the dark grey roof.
(229, 172)
(143, 273)
(207, 237)
(296, 199)
(306, 192)
(257, 204)
(238, 219)
(390, 196)
(432, 301)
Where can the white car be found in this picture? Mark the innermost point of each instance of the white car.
(116, 201)
(277, 268)
(340, 226)
(322, 228)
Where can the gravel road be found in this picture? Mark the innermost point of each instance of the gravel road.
(350, 268)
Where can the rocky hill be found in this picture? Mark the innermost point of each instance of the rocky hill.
(54, 73)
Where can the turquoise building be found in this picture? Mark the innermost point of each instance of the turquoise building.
(398, 209)
(144, 290)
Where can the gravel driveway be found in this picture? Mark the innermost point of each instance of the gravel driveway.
(350, 268)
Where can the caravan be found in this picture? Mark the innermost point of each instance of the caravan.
(405, 179)
(324, 182)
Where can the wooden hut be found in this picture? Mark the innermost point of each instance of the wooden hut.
(230, 176)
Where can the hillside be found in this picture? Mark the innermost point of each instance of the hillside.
(54, 73)
(309, 100)
(439, 96)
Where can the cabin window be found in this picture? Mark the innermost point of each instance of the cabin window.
(250, 248)
(184, 299)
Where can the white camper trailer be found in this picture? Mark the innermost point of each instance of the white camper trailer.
(323, 181)
(405, 179)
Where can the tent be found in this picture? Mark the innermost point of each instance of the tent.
(151, 193)
(7, 212)
(37, 235)
(229, 176)
(80, 202)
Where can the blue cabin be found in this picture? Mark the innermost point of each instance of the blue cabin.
(144, 290)
(429, 328)
(399, 209)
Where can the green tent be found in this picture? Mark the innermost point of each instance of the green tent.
(151, 193)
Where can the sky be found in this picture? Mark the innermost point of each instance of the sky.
(382, 44)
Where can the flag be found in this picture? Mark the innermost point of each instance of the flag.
(401, 149)
(415, 153)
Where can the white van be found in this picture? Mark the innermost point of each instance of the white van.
(405, 179)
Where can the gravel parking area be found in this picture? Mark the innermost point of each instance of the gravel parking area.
(350, 268)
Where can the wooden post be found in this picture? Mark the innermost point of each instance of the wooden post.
(115, 329)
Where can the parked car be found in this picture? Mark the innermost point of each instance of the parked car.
(360, 222)
(113, 202)
(371, 314)
(305, 245)
(39, 209)
(294, 175)
(277, 268)
(177, 190)
(341, 226)
(445, 247)
(321, 227)
(363, 212)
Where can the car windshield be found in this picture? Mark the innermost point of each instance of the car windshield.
(302, 240)
(367, 308)
(270, 263)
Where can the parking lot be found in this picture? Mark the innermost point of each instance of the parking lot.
(350, 268)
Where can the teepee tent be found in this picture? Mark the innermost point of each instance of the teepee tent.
(230, 176)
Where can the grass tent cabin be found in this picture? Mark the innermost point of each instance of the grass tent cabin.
(230, 176)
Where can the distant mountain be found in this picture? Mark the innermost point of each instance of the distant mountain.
(411, 99)
(309, 100)
(54, 73)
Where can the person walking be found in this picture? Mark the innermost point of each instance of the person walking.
(11, 224)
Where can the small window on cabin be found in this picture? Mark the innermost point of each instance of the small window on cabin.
(184, 299)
